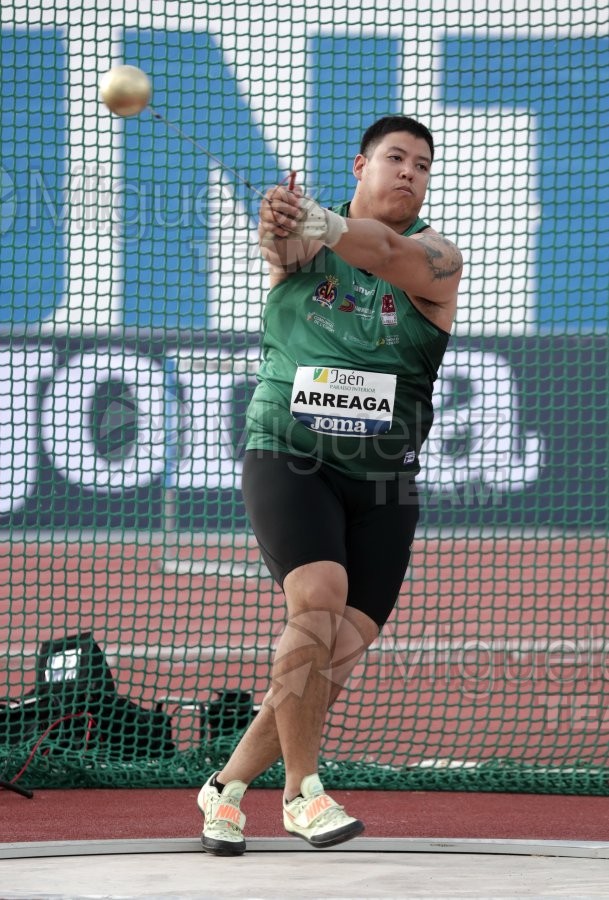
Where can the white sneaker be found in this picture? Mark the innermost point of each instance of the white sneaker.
(224, 822)
(318, 818)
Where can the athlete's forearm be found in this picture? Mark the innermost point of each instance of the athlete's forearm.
(371, 245)
(427, 265)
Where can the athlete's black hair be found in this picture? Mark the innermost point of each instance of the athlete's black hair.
(389, 124)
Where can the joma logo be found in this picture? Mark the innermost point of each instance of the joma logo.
(347, 426)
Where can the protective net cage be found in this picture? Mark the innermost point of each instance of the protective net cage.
(137, 620)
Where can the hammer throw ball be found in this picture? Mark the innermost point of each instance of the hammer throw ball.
(125, 90)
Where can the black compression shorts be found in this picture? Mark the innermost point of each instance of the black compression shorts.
(303, 511)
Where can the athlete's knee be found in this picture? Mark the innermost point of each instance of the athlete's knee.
(318, 586)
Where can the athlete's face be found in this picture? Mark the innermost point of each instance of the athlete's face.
(393, 179)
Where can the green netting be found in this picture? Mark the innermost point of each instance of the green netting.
(137, 622)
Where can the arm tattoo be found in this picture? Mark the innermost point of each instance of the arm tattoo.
(443, 257)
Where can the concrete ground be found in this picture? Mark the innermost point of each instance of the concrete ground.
(368, 869)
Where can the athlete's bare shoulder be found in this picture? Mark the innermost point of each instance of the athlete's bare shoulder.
(441, 268)
(443, 256)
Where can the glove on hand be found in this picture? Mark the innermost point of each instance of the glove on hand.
(318, 224)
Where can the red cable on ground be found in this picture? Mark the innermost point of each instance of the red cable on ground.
(78, 715)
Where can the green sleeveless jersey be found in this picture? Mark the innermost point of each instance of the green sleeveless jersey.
(347, 372)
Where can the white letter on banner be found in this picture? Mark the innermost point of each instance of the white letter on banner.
(67, 415)
(18, 417)
(488, 431)
(211, 448)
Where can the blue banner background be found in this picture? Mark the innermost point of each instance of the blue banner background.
(561, 383)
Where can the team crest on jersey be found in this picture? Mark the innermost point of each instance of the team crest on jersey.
(389, 314)
(325, 292)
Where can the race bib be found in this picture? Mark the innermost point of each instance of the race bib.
(343, 401)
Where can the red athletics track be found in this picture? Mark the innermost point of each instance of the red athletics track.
(96, 815)
(497, 648)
